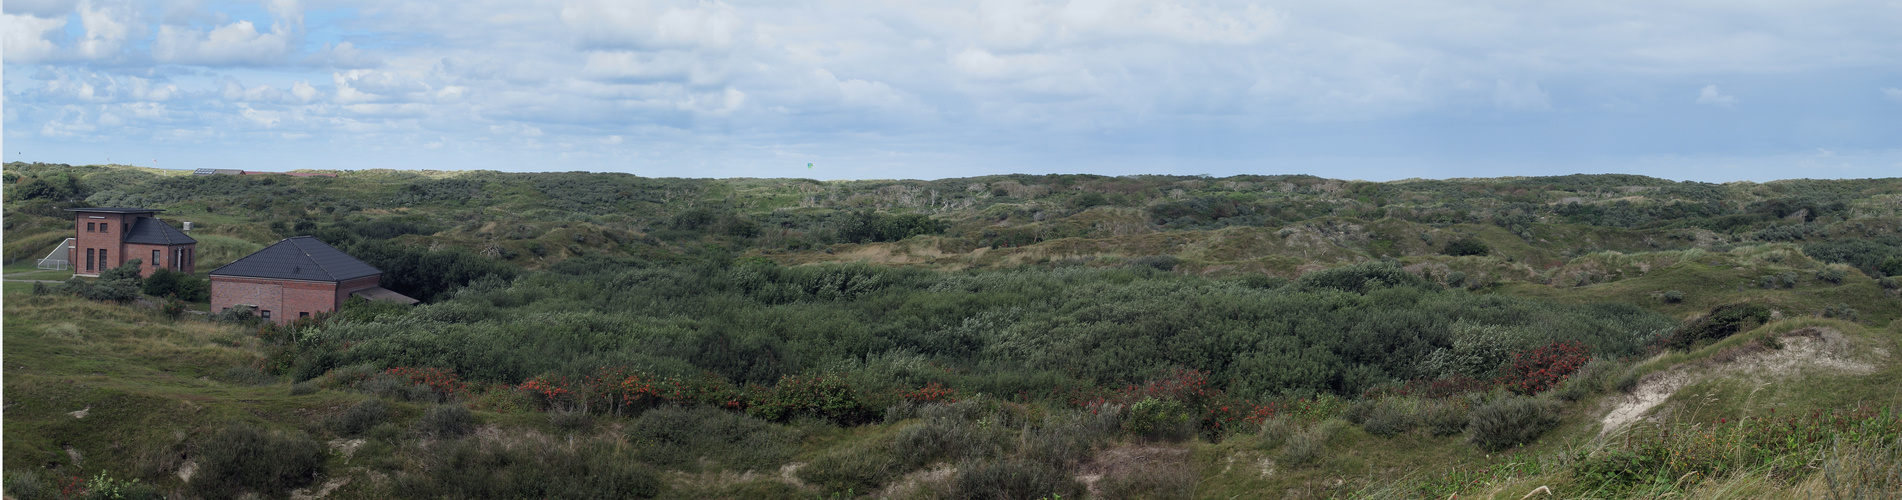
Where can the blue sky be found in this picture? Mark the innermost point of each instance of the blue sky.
(1377, 90)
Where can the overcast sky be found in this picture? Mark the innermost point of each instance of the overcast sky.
(1378, 90)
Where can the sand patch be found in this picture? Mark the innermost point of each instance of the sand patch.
(1813, 350)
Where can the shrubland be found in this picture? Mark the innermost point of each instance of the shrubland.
(612, 336)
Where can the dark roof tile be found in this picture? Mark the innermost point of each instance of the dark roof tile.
(298, 258)
(151, 231)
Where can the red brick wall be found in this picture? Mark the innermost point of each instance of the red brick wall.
(344, 288)
(284, 298)
(108, 240)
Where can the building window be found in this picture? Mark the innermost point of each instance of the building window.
(89, 226)
(89, 261)
(155, 258)
(102, 227)
(303, 314)
(266, 313)
(103, 260)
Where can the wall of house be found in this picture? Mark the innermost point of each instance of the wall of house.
(108, 240)
(143, 252)
(346, 287)
(286, 299)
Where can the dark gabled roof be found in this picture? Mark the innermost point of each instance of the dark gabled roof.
(151, 231)
(298, 258)
(117, 210)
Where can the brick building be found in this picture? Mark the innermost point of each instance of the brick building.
(107, 237)
(296, 278)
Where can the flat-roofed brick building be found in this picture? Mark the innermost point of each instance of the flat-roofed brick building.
(107, 237)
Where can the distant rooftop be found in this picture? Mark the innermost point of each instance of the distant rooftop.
(117, 210)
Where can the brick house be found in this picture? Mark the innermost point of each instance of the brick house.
(295, 278)
(107, 237)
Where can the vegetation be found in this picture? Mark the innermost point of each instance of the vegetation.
(612, 336)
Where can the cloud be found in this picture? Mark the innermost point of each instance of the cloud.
(108, 25)
(643, 25)
(233, 44)
(1714, 97)
(25, 37)
(1894, 94)
(1527, 96)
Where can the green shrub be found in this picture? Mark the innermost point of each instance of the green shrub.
(1467, 246)
(1889, 283)
(1722, 321)
(1673, 296)
(1159, 419)
(446, 421)
(681, 438)
(1066, 440)
(103, 487)
(305, 387)
(165, 282)
(1391, 417)
(1012, 478)
(1444, 417)
(360, 417)
(570, 421)
(1276, 430)
(1305, 447)
(1511, 420)
(955, 432)
(25, 485)
(242, 457)
(850, 471)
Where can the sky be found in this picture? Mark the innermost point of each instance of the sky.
(1711, 91)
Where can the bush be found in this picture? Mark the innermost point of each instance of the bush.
(1012, 478)
(25, 485)
(1159, 419)
(360, 417)
(1276, 430)
(242, 457)
(1305, 447)
(1391, 417)
(1535, 371)
(446, 421)
(1467, 246)
(1444, 417)
(681, 438)
(951, 432)
(1722, 321)
(1673, 297)
(1511, 420)
(850, 472)
(166, 282)
(305, 387)
(1358, 278)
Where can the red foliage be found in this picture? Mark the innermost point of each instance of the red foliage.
(1541, 369)
(442, 381)
(931, 393)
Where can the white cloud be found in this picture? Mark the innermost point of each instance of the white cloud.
(1527, 96)
(109, 24)
(304, 91)
(1714, 97)
(616, 24)
(237, 43)
(25, 37)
